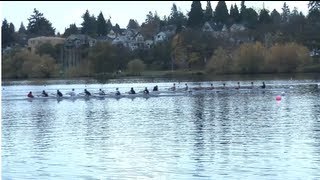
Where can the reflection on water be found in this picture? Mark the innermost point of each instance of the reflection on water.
(224, 135)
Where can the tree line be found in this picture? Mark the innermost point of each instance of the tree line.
(190, 48)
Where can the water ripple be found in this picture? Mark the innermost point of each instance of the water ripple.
(205, 136)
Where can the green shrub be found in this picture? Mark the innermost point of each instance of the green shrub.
(136, 66)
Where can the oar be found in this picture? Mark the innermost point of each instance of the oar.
(81, 94)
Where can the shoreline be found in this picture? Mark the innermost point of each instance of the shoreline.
(158, 75)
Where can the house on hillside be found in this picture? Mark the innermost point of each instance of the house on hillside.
(139, 40)
(33, 43)
(212, 27)
(207, 27)
(237, 28)
(148, 43)
(169, 30)
(104, 39)
(112, 34)
(160, 37)
(315, 53)
(121, 41)
(79, 40)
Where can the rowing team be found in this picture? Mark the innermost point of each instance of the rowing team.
(87, 93)
(186, 88)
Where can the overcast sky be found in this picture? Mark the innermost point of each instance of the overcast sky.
(63, 13)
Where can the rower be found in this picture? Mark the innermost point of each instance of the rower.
(263, 85)
(87, 92)
(155, 88)
(251, 85)
(101, 92)
(72, 93)
(44, 94)
(238, 86)
(186, 88)
(59, 94)
(30, 95)
(173, 88)
(132, 91)
(198, 88)
(117, 92)
(146, 91)
(211, 87)
(224, 85)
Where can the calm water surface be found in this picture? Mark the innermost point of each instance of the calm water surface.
(227, 135)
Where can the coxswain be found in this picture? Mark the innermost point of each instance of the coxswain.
(146, 91)
(30, 95)
(44, 94)
(132, 91)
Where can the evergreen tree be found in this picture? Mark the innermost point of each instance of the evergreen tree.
(242, 11)
(89, 25)
(151, 26)
(234, 13)
(311, 31)
(22, 29)
(208, 14)
(11, 28)
(21, 36)
(296, 25)
(314, 16)
(221, 13)
(250, 18)
(102, 27)
(117, 29)
(152, 18)
(73, 29)
(295, 12)
(177, 18)
(174, 11)
(7, 34)
(264, 17)
(275, 17)
(149, 17)
(133, 24)
(313, 5)
(285, 13)
(195, 19)
(109, 25)
(39, 25)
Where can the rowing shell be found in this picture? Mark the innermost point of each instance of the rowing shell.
(213, 90)
(106, 96)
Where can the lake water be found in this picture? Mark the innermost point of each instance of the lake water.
(225, 135)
